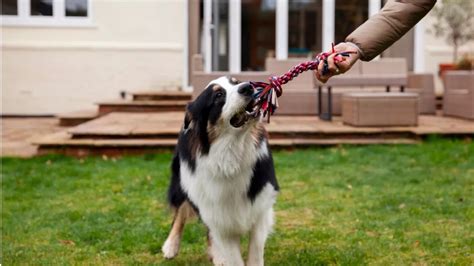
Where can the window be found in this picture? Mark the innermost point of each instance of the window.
(304, 27)
(258, 33)
(41, 7)
(76, 8)
(350, 15)
(9, 7)
(46, 12)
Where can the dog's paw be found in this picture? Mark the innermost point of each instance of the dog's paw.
(214, 257)
(255, 263)
(170, 249)
(218, 261)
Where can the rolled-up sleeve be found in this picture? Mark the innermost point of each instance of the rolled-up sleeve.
(395, 19)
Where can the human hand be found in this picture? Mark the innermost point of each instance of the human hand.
(342, 64)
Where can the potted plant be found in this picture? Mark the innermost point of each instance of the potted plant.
(454, 21)
(465, 63)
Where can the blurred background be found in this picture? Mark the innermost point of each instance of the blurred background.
(64, 55)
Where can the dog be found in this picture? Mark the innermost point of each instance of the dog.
(223, 172)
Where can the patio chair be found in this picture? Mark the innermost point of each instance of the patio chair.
(458, 99)
(423, 84)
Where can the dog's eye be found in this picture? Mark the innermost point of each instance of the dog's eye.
(219, 94)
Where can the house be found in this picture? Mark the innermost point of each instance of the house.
(64, 55)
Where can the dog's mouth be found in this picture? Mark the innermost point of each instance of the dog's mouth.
(243, 116)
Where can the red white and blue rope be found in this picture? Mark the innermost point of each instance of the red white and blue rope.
(266, 96)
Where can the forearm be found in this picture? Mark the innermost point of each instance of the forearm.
(383, 29)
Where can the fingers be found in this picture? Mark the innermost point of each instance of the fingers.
(319, 73)
(327, 68)
(333, 69)
(336, 64)
(351, 59)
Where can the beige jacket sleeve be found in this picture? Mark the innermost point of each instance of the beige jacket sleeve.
(395, 19)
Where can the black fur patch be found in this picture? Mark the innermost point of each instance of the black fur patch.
(263, 173)
(186, 152)
(176, 195)
(207, 108)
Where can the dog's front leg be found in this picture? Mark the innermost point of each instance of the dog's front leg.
(225, 250)
(258, 236)
(171, 246)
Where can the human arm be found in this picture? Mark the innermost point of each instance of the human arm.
(378, 33)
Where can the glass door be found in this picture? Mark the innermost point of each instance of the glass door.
(215, 34)
(258, 33)
(304, 27)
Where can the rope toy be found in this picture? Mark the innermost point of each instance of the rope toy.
(266, 97)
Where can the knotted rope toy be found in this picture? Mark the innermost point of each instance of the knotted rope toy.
(266, 97)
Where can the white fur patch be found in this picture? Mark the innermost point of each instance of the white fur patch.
(170, 248)
(221, 180)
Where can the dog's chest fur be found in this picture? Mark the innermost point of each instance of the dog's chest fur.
(220, 183)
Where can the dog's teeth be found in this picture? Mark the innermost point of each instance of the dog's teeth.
(252, 114)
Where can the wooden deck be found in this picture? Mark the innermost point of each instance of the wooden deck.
(132, 133)
(129, 125)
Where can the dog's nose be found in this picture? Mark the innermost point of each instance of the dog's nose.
(246, 89)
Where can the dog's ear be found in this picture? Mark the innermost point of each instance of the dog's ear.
(197, 111)
(188, 117)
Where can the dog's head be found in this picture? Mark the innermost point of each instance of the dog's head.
(224, 105)
(221, 110)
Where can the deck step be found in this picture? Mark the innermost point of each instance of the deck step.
(75, 118)
(141, 106)
(153, 95)
(120, 125)
(116, 132)
(62, 143)
(166, 125)
(336, 141)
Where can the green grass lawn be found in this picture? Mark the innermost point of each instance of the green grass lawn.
(377, 205)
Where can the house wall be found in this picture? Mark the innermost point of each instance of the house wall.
(131, 45)
(438, 51)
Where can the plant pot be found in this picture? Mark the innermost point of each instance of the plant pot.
(443, 67)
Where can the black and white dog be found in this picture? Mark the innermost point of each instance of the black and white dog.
(223, 171)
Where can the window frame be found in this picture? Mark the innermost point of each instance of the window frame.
(58, 19)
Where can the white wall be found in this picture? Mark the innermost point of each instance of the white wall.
(131, 45)
(438, 51)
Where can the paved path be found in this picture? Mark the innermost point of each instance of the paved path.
(18, 133)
